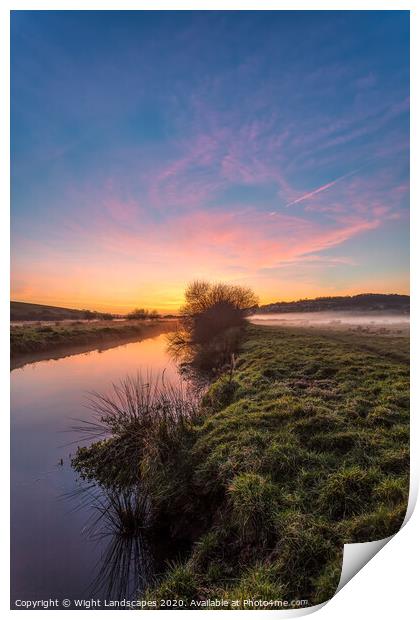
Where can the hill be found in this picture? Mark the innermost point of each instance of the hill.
(21, 311)
(364, 303)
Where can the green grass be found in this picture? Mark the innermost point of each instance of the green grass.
(304, 449)
(27, 339)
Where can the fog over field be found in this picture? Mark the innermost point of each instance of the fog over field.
(333, 319)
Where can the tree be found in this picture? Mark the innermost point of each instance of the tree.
(154, 315)
(210, 309)
(137, 313)
(141, 313)
(210, 320)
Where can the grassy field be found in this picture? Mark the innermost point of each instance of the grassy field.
(28, 339)
(304, 447)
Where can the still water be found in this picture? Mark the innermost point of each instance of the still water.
(53, 553)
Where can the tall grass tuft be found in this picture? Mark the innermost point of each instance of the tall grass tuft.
(142, 418)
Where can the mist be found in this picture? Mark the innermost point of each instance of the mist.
(335, 320)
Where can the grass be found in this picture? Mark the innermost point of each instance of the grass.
(141, 425)
(31, 339)
(303, 447)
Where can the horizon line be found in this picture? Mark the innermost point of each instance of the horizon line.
(175, 311)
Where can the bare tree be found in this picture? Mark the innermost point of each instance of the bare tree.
(212, 311)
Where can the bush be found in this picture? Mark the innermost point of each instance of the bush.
(141, 313)
(210, 323)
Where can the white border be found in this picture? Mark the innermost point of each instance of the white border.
(397, 566)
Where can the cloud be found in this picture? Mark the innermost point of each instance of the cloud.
(320, 189)
(244, 124)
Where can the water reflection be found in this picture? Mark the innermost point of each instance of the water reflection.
(140, 416)
(53, 552)
(118, 524)
(125, 570)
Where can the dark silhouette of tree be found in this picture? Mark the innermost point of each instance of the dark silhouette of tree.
(141, 313)
(154, 314)
(210, 320)
(211, 309)
(106, 316)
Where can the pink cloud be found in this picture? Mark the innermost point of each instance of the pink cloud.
(246, 238)
(104, 262)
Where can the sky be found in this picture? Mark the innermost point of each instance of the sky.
(268, 149)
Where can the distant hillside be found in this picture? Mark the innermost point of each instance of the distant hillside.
(21, 311)
(368, 302)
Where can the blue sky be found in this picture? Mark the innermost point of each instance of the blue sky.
(262, 148)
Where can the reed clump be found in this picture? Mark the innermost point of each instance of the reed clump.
(140, 430)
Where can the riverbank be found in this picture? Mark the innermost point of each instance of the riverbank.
(303, 447)
(37, 342)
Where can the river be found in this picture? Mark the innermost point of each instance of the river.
(54, 555)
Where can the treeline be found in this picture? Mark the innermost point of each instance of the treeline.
(142, 313)
(366, 302)
(91, 315)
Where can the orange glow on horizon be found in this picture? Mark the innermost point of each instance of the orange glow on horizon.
(170, 303)
(106, 266)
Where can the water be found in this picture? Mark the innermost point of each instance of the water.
(53, 556)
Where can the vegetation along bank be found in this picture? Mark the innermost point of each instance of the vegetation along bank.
(33, 338)
(297, 448)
